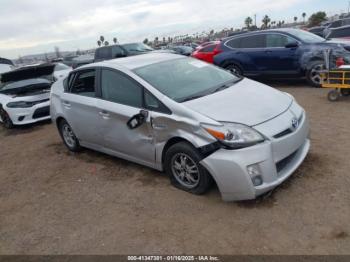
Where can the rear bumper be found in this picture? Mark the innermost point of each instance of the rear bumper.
(276, 160)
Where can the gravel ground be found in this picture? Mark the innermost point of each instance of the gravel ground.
(56, 202)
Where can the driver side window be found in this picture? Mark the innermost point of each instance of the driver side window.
(84, 83)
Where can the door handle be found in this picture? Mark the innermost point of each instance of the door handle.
(104, 114)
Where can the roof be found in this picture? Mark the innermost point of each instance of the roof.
(133, 62)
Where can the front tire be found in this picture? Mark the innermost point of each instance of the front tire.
(234, 69)
(313, 74)
(68, 136)
(6, 120)
(184, 170)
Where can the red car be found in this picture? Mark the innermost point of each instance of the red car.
(207, 52)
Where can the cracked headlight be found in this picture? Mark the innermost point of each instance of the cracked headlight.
(234, 135)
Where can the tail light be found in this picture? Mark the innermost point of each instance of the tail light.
(217, 50)
(340, 62)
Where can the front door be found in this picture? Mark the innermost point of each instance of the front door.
(279, 58)
(122, 98)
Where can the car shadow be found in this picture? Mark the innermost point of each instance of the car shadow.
(19, 130)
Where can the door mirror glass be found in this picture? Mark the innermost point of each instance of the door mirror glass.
(137, 120)
(292, 45)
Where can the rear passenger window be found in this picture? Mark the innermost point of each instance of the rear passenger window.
(84, 83)
(118, 88)
(254, 41)
(208, 49)
(234, 43)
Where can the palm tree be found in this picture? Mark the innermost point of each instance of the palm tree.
(145, 41)
(295, 19)
(102, 39)
(99, 43)
(248, 21)
(303, 15)
(106, 43)
(266, 20)
(115, 40)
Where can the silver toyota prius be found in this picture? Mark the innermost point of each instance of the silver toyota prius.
(198, 123)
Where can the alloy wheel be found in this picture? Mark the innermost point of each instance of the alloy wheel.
(315, 74)
(68, 136)
(185, 170)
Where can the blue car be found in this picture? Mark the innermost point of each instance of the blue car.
(282, 53)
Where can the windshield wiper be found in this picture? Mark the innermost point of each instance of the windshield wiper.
(191, 98)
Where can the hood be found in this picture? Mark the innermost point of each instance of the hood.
(246, 102)
(28, 72)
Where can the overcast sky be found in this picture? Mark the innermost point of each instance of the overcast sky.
(36, 26)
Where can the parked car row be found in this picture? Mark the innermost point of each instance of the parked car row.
(276, 53)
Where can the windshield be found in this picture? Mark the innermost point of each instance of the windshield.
(137, 47)
(184, 79)
(23, 83)
(306, 37)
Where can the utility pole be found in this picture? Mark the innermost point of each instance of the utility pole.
(255, 17)
(349, 7)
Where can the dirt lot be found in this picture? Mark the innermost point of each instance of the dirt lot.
(56, 202)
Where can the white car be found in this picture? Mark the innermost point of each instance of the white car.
(25, 95)
(61, 71)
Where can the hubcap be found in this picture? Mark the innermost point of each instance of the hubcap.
(315, 74)
(234, 70)
(185, 170)
(68, 135)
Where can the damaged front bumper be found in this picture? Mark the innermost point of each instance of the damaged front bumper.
(272, 162)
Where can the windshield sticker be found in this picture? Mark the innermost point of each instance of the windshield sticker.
(198, 64)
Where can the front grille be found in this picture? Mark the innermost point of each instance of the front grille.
(41, 112)
(283, 133)
(284, 162)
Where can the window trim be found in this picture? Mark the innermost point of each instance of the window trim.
(74, 76)
(261, 33)
(143, 91)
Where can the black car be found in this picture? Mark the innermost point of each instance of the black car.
(336, 24)
(182, 50)
(317, 30)
(339, 33)
(282, 53)
(118, 51)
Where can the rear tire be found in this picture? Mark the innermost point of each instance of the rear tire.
(313, 75)
(68, 136)
(234, 69)
(184, 170)
(6, 120)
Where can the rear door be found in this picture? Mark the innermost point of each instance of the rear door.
(251, 53)
(121, 99)
(79, 105)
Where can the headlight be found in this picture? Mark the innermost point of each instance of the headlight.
(234, 135)
(19, 104)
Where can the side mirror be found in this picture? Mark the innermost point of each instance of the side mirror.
(137, 120)
(292, 45)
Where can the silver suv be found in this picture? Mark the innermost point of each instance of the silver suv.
(198, 123)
